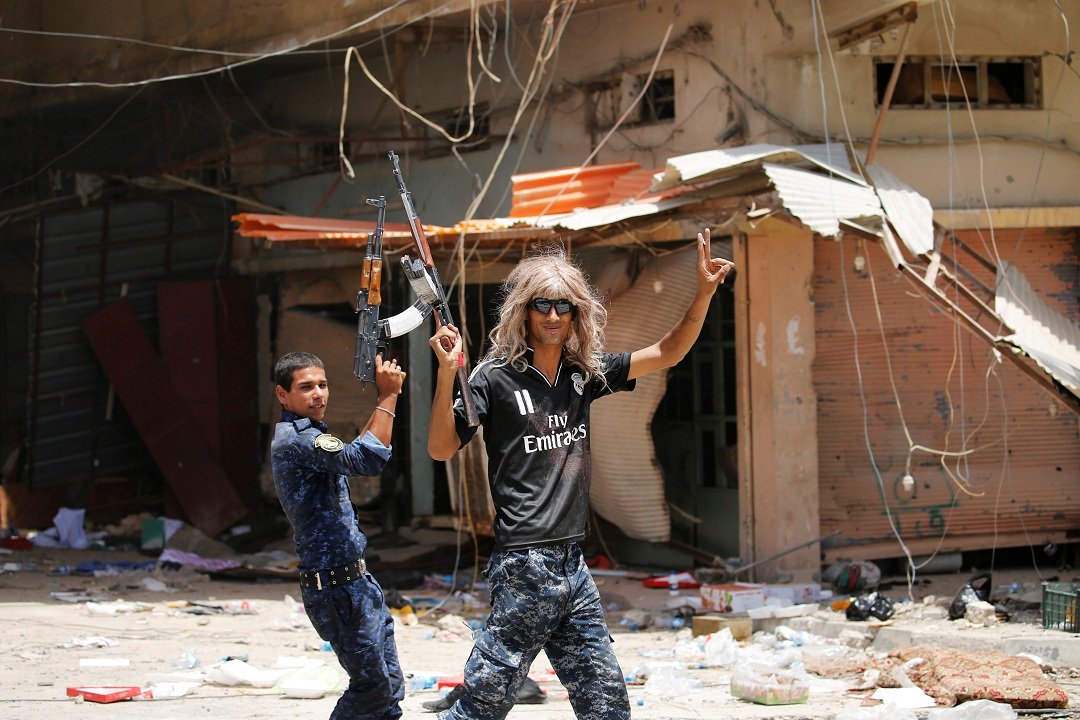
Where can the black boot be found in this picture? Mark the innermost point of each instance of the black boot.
(530, 694)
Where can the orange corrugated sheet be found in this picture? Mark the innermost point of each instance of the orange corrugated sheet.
(634, 185)
(354, 233)
(563, 190)
(297, 227)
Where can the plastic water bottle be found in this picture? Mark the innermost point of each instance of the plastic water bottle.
(422, 681)
(187, 660)
(673, 583)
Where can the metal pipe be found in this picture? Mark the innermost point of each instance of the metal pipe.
(887, 100)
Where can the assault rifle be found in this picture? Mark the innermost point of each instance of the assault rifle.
(368, 300)
(423, 274)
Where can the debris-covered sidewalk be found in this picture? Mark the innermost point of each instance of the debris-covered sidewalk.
(98, 633)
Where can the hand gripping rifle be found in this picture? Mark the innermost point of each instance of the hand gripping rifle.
(372, 333)
(424, 277)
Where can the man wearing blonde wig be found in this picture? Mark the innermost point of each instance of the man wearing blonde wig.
(532, 393)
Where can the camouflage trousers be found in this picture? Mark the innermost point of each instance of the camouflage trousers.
(354, 619)
(542, 598)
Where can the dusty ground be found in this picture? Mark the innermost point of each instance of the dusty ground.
(41, 646)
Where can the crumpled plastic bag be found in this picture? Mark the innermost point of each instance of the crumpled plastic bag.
(720, 649)
(975, 589)
(888, 711)
(309, 682)
(874, 605)
(671, 680)
(237, 672)
(975, 710)
(852, 577)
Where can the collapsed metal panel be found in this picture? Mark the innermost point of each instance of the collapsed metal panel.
(143, 384)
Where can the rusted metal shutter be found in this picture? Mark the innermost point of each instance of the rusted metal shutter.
(86, 259)
(1016, 480)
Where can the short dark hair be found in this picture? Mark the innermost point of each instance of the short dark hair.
(289, 363)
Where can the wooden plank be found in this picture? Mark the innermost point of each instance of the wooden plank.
(161, 419)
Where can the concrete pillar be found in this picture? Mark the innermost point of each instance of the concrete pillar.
(419, 392)
(777, 403)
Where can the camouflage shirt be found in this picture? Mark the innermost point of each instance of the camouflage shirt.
(311, 473)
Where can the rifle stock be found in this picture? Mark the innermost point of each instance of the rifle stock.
(441, 306)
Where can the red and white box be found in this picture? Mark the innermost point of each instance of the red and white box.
(732, 597)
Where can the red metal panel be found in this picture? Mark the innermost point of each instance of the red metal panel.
(161, 418)
(238, 387)
(187, 337)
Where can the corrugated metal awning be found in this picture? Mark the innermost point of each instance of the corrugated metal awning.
(908, 211)
(820, 202)
(1045, 335)
(815, 183)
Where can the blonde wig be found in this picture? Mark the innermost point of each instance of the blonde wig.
(551, 274)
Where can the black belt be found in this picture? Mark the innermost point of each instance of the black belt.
(319, 579)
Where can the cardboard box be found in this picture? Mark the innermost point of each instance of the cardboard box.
(732, 597)
(797, 593)
(741, 627)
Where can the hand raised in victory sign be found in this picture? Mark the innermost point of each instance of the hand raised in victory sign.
(711, 271)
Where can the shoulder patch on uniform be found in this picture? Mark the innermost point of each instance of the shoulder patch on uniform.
(329, 443)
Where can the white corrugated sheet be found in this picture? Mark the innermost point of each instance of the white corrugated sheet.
(1044, 334)
(710, 165)
(820, 201)
(908, 211)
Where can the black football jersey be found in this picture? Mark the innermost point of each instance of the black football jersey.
(537, 436)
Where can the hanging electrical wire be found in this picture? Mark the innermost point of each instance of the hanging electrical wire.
(622, 118)
(912, 567)
(220, 68)
(347, 168)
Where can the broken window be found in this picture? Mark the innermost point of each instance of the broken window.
(610, 99)
(926, 82)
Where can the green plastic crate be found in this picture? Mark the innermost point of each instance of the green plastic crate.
(1061, 606)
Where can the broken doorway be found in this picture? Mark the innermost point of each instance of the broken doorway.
(695, 431)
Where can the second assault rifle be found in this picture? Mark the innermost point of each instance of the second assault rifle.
(371, 332)
(424, 278)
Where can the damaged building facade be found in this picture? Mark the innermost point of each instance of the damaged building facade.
(891, 179)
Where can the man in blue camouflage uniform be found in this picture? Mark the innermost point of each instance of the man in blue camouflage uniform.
(532, 394)
(311, 472)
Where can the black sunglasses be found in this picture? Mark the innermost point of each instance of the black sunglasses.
(543, 306)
